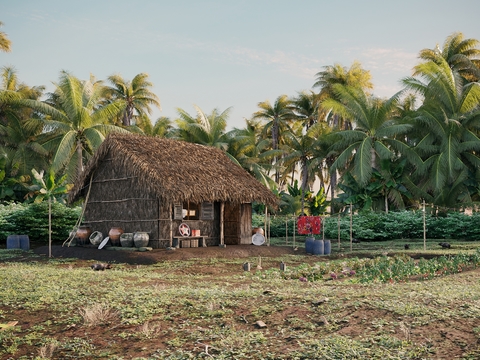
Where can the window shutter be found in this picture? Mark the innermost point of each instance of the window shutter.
(207, 211)
(177, 211)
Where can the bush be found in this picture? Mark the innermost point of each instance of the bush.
(32, 220)
(381, 226)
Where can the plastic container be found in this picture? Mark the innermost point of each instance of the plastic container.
(317, 247)
(327, 247)
(309, 244)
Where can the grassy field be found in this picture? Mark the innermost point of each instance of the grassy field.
(211, 308)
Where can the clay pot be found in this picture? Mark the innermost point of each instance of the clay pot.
(259, 230)
(141, 239)
(114, 235)
(83, 234)
(96, 238)
(126, 240)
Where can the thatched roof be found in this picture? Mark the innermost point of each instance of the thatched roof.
(177, 171)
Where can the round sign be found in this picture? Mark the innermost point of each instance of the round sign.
(184, 229)
(258, 239)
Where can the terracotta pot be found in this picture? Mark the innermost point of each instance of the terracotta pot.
(83, 234)
(114, 235)
(257, 229)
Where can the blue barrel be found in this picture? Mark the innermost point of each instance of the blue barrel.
(309, 245)
(18, 242)
(327, 247)
(318, 247)
(13, 242)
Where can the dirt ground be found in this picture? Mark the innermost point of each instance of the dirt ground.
(448, 339)
(120, 255)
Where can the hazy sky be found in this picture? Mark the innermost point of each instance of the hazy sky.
(226, 53)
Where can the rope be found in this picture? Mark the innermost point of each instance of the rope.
(77, 224)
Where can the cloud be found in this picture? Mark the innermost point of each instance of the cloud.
(391, 60)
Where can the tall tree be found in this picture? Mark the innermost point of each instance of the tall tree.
(462, 55)
(450, 146)
(355, 76)
(305, 108)
(373, 136)
(278, 117)
(5, 43)
(11, 92)
(202, 128)
(77, 122)
(134, 97)
(302, 152)
(250, 150)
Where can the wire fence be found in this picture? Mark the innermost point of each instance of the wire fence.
(419, 223)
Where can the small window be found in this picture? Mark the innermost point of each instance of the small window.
(190, 211)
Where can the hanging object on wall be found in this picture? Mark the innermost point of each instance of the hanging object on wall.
(184, 229)
(309, 225)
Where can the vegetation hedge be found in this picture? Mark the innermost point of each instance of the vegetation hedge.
(382, 226)
(32, 220)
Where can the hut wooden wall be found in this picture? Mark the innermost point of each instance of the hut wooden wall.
(238, 224)
(210, 228)
(116, 200)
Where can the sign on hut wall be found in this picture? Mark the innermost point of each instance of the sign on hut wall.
(207, 211)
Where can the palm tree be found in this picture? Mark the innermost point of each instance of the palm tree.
(278, 119)
(134, 97)
(355, 76)
(373, 135)
(462, 55)
(305, 108)
(19, 140)
(77, 122)
(302, 151)
(11, 92)
(204, 129)
(5, 43)
(163, 127)
(250, 150)
(450, 146)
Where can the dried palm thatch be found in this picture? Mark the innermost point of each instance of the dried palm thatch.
(177, 171)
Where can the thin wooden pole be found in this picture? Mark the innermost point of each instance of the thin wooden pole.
(49, 227)
(338, 230)
(424, 229)
(171, 225)
(286, 231)
(222, 215)
(294, 230)
(323, 227)
(351, 232)
(266, 224)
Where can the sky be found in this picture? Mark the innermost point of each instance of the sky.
(220, 54)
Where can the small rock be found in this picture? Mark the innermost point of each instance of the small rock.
(320, 302)
(260, 324)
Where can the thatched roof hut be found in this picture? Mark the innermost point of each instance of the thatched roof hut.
(135, 182)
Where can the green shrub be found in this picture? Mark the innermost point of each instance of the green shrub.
(381, 226)
(32, 220)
